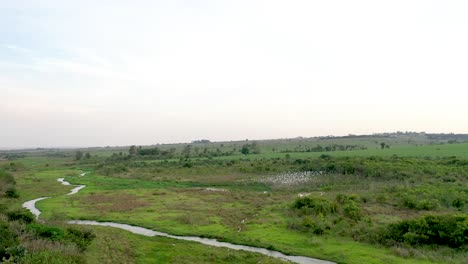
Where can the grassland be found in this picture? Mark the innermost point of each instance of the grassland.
(244, 199)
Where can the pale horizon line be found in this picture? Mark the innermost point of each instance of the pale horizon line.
(214, 141)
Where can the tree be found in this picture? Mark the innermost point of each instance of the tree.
(132, 150)
(78, 155)
(12, 193)
(255, 149)
(245, 149)
(201, 141)
(250, 148)
(382, 145)
(187, 151)
(87, 155)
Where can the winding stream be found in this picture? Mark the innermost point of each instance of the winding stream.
(74, 190)
(31, 206)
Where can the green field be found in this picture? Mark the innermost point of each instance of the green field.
(354, 201)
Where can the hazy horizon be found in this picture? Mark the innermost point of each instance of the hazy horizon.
(211, 141)
(119, 73)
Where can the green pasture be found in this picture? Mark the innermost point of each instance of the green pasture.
(189, 209)
(232, 198)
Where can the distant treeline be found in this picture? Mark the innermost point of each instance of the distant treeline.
(194, 151)
(201, 141)
(377, 135)
(190, 151)
(451, 138)
(319, 148)
(12, 156)
(187, 152)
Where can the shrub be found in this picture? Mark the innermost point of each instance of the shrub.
(6, 181)
(6, 178)
(317, 205)
(381, 197)
(21, 215)
(350, 206)
(82, 238)
(343, 199)
(7, 240)
(409, 201)
(414, 202)
(16, 252)
(49, 232)
(352, 210)
(458, 203)
(318, 225)
(448, 230)
(427, 204)
(188, 164)
(12, 193)
(53, 257)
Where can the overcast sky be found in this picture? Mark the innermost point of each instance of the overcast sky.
(98, 73)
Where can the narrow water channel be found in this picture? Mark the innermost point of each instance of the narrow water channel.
(31, 206)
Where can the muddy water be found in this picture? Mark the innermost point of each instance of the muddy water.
(31, 206)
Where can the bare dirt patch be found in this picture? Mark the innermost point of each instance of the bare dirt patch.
(114, 203)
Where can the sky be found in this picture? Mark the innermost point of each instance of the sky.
(113, 73)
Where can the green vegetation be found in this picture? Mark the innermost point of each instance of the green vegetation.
(353, 201)
(447, 230)
(23, 240)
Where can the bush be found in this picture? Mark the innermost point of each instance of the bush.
(318, 226)
(350, 206)
(427, 204)
(458, 203)
(448, 230)
(49, 232)
(12, 193)
(16, 252)
(317, 205)
(363, 231)
(8, 240)
(352, 210)
(21, 215)
(82, 238)
(6, 178)
(343, 199)
(6, 181)
(381, 197)
(53, 257)
(414, 202)
(409, 201)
